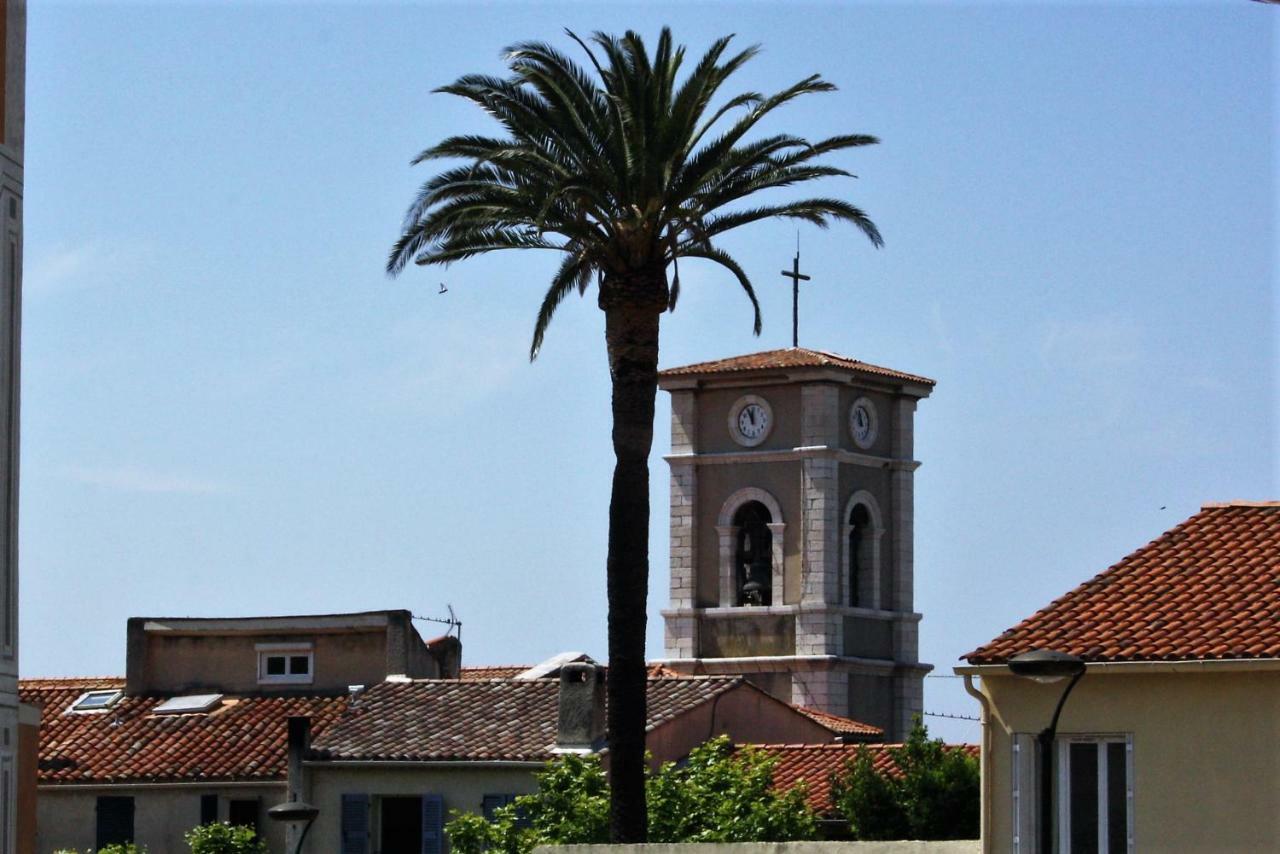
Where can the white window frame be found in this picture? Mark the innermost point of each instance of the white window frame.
(115, 697)
(285, 650)
(1063, 786)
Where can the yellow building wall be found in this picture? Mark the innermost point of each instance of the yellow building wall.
(1206, 753)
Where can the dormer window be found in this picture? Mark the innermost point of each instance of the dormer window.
(96, 701)
(285, 664)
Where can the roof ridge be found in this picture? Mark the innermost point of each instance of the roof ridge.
(1237, 502)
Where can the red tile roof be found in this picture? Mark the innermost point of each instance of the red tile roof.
(492, 671)
(495, 720)
(815, 764)
(837, 724)
(1207, 589)
(243, 739)
(792, 357)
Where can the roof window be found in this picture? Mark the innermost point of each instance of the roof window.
(96, 701)
(189, 704)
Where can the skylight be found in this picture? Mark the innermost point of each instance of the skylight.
(95, 701)
(190, 704)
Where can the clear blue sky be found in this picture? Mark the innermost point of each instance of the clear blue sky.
(228, 409)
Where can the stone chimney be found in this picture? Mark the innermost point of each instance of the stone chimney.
(580, 726)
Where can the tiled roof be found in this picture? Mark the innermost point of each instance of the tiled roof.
(507, 671)
(243, 739)
(792, 357)
(495, 720)
(491, 671)
(837, 724)
(814, 765)
(1207, 589)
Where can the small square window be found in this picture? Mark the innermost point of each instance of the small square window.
(284, 664)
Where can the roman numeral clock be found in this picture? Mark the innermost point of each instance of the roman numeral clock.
(791, 530)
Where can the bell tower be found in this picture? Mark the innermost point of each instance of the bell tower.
(791, 530)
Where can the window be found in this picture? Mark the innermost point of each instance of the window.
(1095, 795)
(189, 704)
(95, 701)
(412, 824)
(243, 812)
(754, 557)
(208, 809)
(284, 664)
(115, 821)
(859, 551)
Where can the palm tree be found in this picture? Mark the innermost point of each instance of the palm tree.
(622, 172)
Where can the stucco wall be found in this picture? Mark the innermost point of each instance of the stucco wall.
(745, 715)
(714, 405)
(67, 818)
(1206, 753)
(463, 788)
(230, 662)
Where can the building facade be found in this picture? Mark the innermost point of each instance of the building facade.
(1169, 740)
(13, 719)
(792, 478)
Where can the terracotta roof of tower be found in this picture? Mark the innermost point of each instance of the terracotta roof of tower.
(1207, 589)
(791, 357)
(815, 764)
(242, 739)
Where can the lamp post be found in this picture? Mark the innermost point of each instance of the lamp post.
(293, 813)
(1046, 666)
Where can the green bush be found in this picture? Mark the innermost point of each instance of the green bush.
(123, 848)
(223, 838)
(717, 795)
(935, 795)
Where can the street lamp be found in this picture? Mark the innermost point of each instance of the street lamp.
(1046, 666)
(293, 813)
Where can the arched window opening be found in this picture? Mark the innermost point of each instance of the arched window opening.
(753, 558)
(860, 554)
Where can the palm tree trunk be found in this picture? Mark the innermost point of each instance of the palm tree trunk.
(633, 305)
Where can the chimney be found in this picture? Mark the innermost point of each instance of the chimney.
(299, 743)
(580, 727)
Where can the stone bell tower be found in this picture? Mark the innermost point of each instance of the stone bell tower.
(791, 530)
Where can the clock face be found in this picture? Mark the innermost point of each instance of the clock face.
(862, 422)
(753, 421)
(750, 420)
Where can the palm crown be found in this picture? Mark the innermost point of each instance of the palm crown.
(623, 175)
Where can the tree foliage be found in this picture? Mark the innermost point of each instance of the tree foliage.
(717, 795)
(933, 794)
(628, 169)
(223, 838)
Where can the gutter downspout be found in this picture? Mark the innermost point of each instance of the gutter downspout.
(984, 762)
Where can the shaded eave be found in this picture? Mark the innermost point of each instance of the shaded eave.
(1189, 665)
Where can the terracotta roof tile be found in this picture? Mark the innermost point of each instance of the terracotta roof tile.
(493, 720)
(492, 671)
(1207, 589)
(792, 357)
(814, 765)
(243, 739)
(837, 724)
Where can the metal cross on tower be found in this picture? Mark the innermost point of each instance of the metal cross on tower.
(796, 277)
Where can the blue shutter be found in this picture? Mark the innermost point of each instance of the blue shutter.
(490, 803)
(355, 824)
(432, 824)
